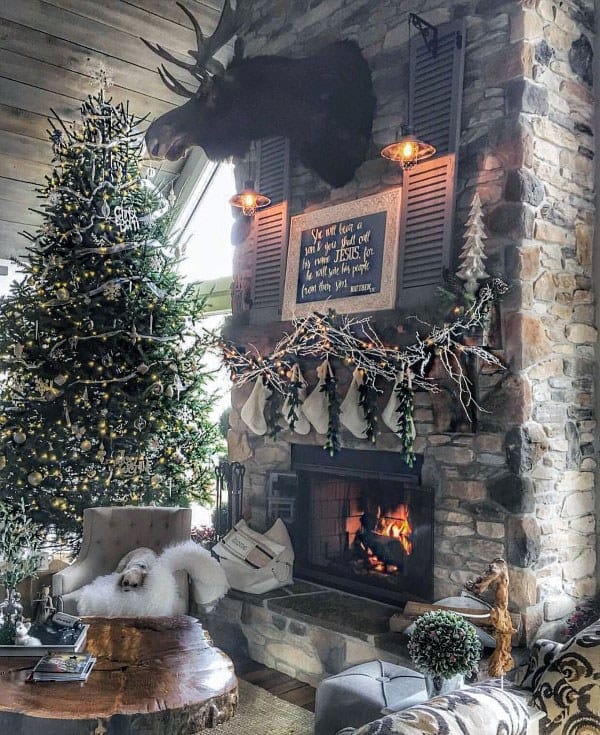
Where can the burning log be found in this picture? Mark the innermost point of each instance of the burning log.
(383, 543)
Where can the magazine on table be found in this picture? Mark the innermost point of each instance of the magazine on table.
(63, 667)
(53, 637)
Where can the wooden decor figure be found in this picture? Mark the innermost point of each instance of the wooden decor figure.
(265, 96)
(501, 660)
(43, 606)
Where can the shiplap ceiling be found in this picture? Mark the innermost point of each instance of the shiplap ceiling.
(50, 51)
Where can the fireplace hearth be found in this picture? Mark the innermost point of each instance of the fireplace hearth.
(362, 522)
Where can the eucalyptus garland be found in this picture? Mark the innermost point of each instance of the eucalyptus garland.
(294, 401)
(405, 425)
(329, 387)
(272, 414)
(368, 402)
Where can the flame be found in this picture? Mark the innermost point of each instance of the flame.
(396, 526)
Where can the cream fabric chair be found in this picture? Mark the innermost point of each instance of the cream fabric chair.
(109, 533)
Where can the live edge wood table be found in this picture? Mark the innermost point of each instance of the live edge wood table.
(154, 676)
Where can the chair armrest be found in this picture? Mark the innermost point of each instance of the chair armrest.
(71, 578)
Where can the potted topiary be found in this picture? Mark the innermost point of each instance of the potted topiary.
(445, 647)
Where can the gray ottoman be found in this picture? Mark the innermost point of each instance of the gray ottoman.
(358, 695)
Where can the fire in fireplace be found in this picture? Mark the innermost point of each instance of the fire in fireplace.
(361, 522)
(382, 542)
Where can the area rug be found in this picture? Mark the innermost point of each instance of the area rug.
(262, 713)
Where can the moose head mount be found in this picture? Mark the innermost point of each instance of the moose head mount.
(323, 103)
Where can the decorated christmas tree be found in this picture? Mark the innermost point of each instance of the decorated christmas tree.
(472, 255)
(105, 398)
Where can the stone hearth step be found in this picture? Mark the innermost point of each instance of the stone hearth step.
(309, 631)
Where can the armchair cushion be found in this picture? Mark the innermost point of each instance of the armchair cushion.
(483, 709)
(569, 690)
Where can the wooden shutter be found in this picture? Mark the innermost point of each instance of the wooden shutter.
(425, 227)
(436, 85)
(270, 230)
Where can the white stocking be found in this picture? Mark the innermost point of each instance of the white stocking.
(316, 406)
(253, 411)
(351, 413)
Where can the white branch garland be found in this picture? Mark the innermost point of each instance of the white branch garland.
(355, 342)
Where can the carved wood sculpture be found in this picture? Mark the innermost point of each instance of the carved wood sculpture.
(323, 103)
(501, 660)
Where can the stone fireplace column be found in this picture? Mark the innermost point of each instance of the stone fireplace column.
(523, 485)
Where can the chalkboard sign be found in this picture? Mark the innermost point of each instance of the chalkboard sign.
(344, 257)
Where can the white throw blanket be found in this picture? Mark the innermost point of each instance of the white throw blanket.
(158, 595)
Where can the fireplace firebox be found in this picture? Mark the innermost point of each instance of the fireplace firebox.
(361, 522)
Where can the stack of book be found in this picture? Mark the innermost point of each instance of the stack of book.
(63, 667)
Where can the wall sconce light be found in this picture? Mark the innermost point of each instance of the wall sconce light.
(249, 200)
(408, 150)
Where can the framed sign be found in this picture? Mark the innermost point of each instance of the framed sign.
(344, 257)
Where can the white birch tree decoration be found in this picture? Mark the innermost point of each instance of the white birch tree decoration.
(472, 255)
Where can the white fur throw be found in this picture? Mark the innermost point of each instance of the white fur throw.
(158, 595)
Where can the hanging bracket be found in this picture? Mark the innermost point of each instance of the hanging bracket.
(427, 31)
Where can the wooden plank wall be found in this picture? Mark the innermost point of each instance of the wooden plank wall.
(50, 51)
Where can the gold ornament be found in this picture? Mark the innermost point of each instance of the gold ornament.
(19, 437)
(169, 391)
(2, 461)
(155, 480)
(62, 294)
(35, 478)
(142, 369)
(86, 445)
(60, 379)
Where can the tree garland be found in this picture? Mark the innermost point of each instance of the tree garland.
(355, 342)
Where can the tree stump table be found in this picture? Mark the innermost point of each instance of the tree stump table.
(153, 676)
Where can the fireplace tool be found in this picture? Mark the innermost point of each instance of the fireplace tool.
(230, 479)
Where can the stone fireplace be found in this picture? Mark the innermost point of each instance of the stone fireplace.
(519, 482)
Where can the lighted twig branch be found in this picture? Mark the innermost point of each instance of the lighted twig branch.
(355, 342)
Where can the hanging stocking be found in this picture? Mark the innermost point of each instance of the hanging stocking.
(316, 406)
(352, 414)
(293, 406)
(253, 411)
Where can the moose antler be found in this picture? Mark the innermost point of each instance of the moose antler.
(205, 66)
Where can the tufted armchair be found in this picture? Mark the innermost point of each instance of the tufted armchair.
(109, 533)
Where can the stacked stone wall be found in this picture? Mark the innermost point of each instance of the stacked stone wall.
(523, 485)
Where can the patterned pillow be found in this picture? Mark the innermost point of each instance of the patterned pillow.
(543, 652)
(569, 690)
(483, 709)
